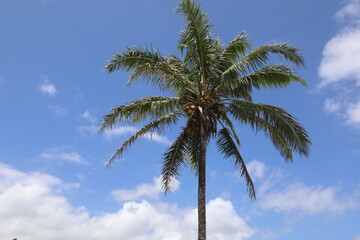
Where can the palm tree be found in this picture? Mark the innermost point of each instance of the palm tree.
(211, 86)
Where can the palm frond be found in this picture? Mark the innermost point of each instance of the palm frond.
(157, 125)
(275, 122)
(195, 38)
(279, 141)
(237, 88)
(151, 107)
(132, 57)
(258, 57)
(273, 76)
(270, 76)
(229, 123)
(173, 159)
(167, 73)
(228, 147)
(236, 47)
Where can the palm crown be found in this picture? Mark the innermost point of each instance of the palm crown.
(211, 84)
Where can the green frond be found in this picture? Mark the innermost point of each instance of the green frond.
(174, 158)
(273, 76)
(229, 123)
(157, 125)
(195, 38)
(229, 54)
(237, 88)
(270, 76)
(168, 73)
(260, 56)
(227, 146)
(278, 139)
(130, 58)
(236, 47)
(151, 107)
(283, 128)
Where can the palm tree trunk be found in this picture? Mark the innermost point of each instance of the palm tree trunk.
(202, 184)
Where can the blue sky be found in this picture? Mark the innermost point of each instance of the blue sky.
(53, 93)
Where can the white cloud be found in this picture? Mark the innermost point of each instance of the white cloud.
(275, 193)
(340, 65)
(58, 110)
(31, 208)
(341, 58)
(88, 129)
(88, 116)
(119, 131)
(272, 180)
(166, 222)
(256, 169)
(307, 200)
(353, 114)
(224, 223)
(357, 237)
(157, 138)
(346, 106)
(61, 156)
(350, 12)
(143, 190)
(332, 105)
(47, 87)
(124, 130)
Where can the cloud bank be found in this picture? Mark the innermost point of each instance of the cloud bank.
(308, 200)
(340, 66)
(32, 207)
(151, 191)
(341, 58)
